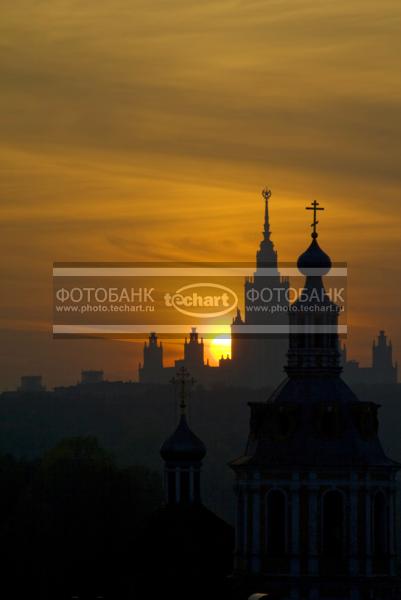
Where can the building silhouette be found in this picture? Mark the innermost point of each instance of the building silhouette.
(259, 338)
(182, 454)
(258, 356)
(31, 383)
(382, 371)
(184, 543)
(152, 369)
(315, 491)
(91, 376)
(194, 352)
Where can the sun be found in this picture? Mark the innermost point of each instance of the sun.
(220, 346)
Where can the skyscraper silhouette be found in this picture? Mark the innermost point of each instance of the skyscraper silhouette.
(258, 357)
(151, 371)
(382, 371)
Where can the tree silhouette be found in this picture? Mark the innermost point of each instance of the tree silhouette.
(69, 522)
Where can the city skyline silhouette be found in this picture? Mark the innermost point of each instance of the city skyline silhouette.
(200, 299)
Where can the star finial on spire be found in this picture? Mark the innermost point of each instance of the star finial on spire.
(315, 208)
(185, 382)
(266, 193)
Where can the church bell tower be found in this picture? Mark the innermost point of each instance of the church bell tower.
(182, 453)
(316, 494)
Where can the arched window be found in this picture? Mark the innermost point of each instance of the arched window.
(333, 524)
(379, 524)
(276, 523)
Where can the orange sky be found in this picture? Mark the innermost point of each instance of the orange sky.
(137, 130)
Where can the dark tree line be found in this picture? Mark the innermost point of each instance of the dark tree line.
(71, 522)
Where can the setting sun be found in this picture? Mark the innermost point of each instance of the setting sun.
(220, 346)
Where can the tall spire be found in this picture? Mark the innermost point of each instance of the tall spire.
(266, 256)
(266, 231)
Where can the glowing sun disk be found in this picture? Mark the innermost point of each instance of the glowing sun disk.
(220, 346)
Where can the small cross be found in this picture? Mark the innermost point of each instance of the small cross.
(315, 208)
(184, 380)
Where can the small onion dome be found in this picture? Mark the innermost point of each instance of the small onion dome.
(314, 258)
(183, 445)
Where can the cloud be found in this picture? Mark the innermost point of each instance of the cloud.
(138, 130)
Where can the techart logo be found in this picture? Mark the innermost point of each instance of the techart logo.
(203, 300)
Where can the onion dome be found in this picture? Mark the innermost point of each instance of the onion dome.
(313, 348)
(314, 258)
(183, 445)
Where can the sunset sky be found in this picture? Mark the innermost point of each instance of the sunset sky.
(145, 130)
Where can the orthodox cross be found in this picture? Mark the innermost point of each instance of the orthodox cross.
(184, 381)
(315, 208)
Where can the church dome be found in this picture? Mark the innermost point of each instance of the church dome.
(183, 445)
(314, 258)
